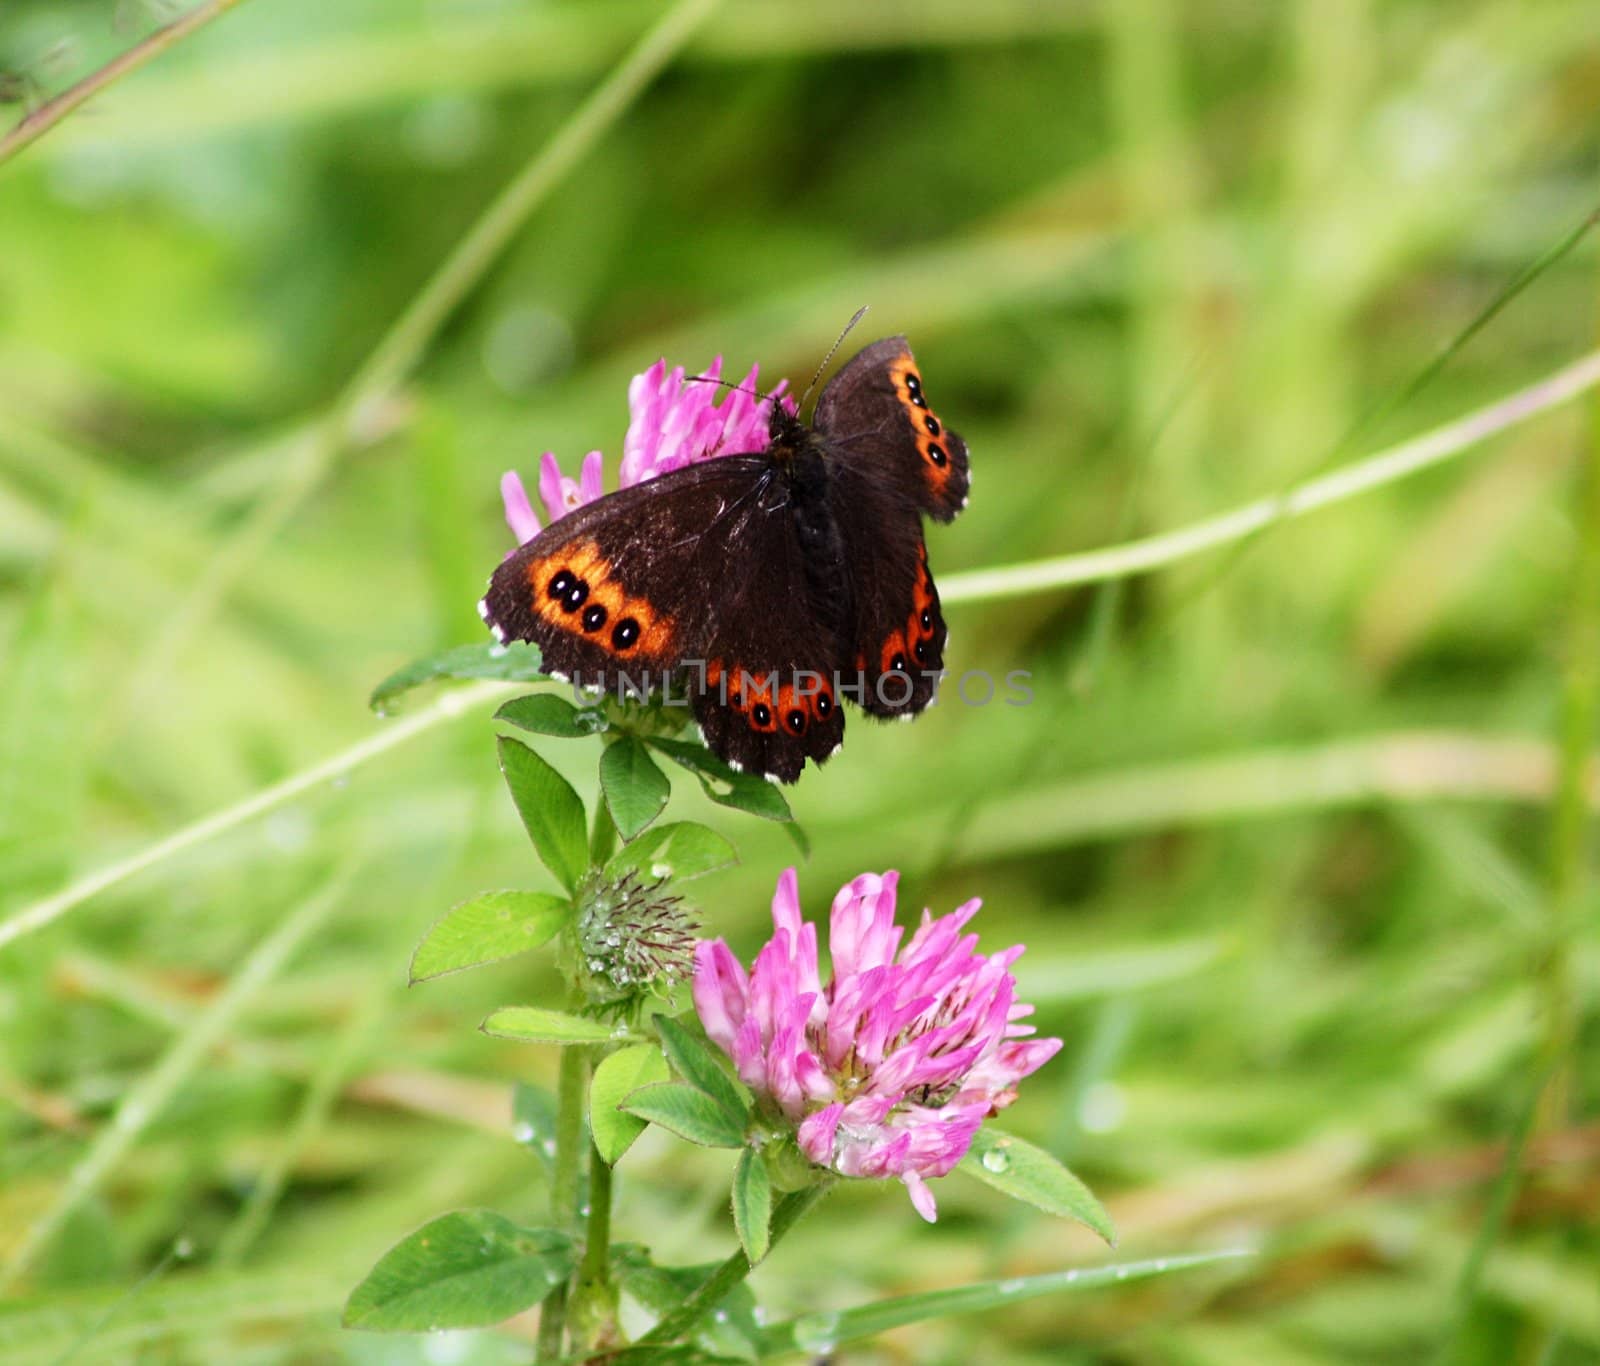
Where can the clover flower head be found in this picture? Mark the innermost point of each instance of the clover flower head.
(634, 939)
(673, 421)
(889, 1069)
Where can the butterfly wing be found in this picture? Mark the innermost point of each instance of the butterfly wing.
(890, 460)
(897, 651)
(766, 698)
(695, 575)
(618, 586)
(874, 412)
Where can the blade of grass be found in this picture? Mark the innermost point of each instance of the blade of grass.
(332, 1072)
(461, 51)
(96, 1327)
(1403, 766)
(1384, 467)
(179, 1308)
(143, 1102)
(449, 706)
(35, 125)
(825, 1331)
(1493, 1224)
(1571, 827)
(1404, 393)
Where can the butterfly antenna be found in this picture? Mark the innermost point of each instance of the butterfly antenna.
(726, 384)
(859, 314)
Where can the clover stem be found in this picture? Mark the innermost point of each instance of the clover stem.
(715, 1288)
(564, 1186)
(595, 1312)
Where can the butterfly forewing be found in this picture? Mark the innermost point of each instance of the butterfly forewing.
(876, 414)
(696, 577)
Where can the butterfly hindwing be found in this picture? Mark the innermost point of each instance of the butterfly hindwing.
(874, 411)
(896, 650)
(891, 460)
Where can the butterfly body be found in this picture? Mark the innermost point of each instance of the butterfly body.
(769, 586)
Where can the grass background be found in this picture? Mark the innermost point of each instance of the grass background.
(1277, 828)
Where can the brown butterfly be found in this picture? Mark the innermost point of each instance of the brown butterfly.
(770, 585)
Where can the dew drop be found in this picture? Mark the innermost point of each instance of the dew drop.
(1011, 1287)
(183, 1249)
(996, 1160)
(1122, 1273)
(817, 1332)
(522, 1131)
(661, 870)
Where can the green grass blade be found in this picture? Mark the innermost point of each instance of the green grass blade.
(144, 1102)
(826, 1332)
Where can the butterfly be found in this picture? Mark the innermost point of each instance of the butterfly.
(770, 586)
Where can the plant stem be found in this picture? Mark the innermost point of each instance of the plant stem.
(597, 1248)
(52, 112)
(593, 1316)
(1570, 820)
(587, 1302)
(564, 1186)
(791, 1209)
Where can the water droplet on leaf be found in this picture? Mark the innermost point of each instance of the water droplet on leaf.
(817, 1332)
(996, 1160)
